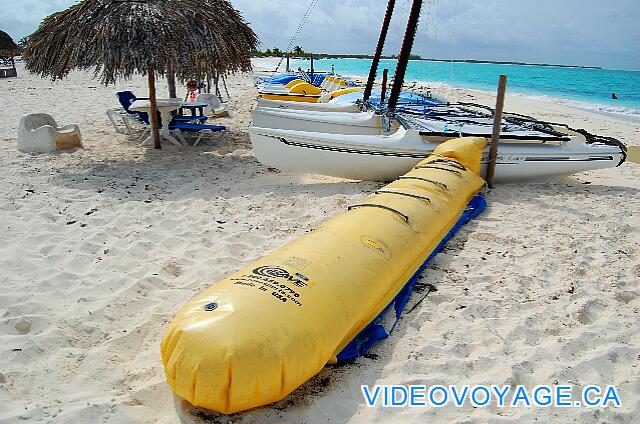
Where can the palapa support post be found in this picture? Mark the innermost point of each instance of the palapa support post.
(311, 66)
(405, 51)
(171, 82)
(14, 71)
(153, 113)
(383, 93)
(376, 57)
(288, 69)
(224, 84)
(215, 84)
(497, 126)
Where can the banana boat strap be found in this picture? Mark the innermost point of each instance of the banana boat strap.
(405, 217)
(410, 177)
(438, 167)
(402, 193)
(451, 162)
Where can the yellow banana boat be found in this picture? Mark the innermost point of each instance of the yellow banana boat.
(256, 336)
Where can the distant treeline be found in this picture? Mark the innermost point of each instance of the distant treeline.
(299, 53)
(497, 62)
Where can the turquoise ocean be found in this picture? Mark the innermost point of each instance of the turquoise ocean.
(579, 87)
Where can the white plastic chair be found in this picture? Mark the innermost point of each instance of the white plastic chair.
(39, 133)
(216, 107)
(118, 115)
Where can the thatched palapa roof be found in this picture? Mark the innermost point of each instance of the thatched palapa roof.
(7, 46)
(119, 38)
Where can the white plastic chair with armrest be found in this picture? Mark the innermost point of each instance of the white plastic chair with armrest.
(216, 107)
(39, 133)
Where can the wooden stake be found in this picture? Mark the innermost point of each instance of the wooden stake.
(497, 125)
(385, 74)
(153, 113)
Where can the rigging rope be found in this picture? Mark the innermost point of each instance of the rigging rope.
(453, 41)
(300, 26)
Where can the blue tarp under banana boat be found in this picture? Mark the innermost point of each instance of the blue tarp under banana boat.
(256, 336)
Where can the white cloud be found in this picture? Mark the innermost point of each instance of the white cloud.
(21, 18)
(585, 32)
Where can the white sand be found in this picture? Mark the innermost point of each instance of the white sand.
(101, 247)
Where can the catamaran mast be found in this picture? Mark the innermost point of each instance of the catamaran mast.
(403, 57)
(376, 58)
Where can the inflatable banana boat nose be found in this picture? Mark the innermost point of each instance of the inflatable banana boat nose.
(256, 336)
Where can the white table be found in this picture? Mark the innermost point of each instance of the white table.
(165, 106)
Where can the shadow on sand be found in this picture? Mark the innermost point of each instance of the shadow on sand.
(197, 174)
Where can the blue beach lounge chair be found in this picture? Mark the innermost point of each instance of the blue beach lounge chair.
(126, 99)
(199, 129)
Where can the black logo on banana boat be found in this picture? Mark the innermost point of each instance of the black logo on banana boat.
(275, 281)
(298, 279)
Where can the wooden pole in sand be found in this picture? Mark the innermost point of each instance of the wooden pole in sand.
(224, 84)
(153, 113)
(497, 125)
(171, 82)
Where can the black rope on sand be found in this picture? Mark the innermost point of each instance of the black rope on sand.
(430, 288)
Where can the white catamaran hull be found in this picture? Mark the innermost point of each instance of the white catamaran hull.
(315, 107)
(272, 89)
(384, 158)
(361, 123)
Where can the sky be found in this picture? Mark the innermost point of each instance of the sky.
(571, 32)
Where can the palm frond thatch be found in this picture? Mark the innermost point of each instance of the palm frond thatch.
(6, 43)
(119, 38)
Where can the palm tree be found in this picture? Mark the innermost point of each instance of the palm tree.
(23, 42)
(297, 50)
